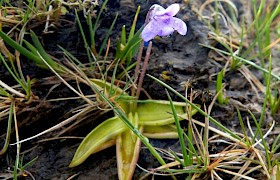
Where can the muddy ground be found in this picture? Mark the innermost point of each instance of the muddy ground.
(181, 56)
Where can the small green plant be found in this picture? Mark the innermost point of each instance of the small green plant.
(34, 52)
(16, 73)
(127, 47)
(220, 88)
(20, 168)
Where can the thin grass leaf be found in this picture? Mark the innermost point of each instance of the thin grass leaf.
(84, 39)
(57, 67)
(3, 92)
(34, 51)
(274, 14)
(187, 161)
(106, 38)
(112, 87)
(9, 127)
(126, 51)
(19, 48)
(189, 170)
(28, 93)
(132, 29)
(243, 60)
(13, 74)
(243, 127)
(262, 138)
(92, 41)
(176, 157)
(266, 99)
(32, 161)
(123, 37)
(131, 45)
(276, 145)
(191, 150)
(258, 36)
(73, 58)
(263, 27)
(96, 26)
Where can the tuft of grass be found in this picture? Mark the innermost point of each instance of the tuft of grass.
(250, 44)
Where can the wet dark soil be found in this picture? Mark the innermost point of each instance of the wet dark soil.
(175, 60)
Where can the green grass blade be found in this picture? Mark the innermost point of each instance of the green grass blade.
(186, 158)
(59, 68)
(132, 29)
(263, 140)
(29, 163)
(107, 36)
(96, 25)
(243, 60)
(12, 73)
(19, 48)
(243, 127)
(9, 126)
(84, 39)
(192, 150)
(123, 36)
(177, 158)
(275, 146)
(3, 92)
(89, 21)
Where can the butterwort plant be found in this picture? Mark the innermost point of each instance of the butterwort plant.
(161, 22)
(135, 121)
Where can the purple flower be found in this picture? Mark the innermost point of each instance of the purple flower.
(161, 22)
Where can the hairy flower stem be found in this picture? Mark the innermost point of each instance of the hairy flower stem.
(136, 73)
(144, 68)
(137, 68)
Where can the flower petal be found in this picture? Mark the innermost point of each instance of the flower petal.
(156, 8)
(165, 31)
(171, 10)
(153, 9)
(178, 25)
(150, 31)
